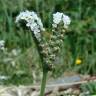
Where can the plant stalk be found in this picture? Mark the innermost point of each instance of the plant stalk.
(43, 84)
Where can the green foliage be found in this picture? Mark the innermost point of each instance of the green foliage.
(89, 87)
(79, 40)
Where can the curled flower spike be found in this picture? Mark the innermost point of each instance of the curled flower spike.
(32, 21)
(60, 17)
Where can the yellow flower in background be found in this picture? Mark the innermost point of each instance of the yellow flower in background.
(78, 61)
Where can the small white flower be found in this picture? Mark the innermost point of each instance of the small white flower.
(2, 44)
(13, 63)
(2, 77)
(54, 25)
(57, 17)
(15, 52)
(66, 20)
(60, 17)
(32, 21)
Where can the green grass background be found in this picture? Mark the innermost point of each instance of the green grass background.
(80, 40)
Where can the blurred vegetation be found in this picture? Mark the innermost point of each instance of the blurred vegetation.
(79, 40)
(89, 87)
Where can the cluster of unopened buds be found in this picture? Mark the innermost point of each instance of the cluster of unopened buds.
(48, 49)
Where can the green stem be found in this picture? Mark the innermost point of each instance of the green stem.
(43, 83)
(45, 71)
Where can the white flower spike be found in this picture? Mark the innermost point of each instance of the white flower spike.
(32, 21)
(60, 17)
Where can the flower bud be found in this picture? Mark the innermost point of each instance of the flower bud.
(56, 49)
(63, 30)
(58, 42)
(42, 45)
(52, 57)
(50, 67)
(47, 61)
(53, 37)
(61, 36)
(44, 53)
(51, 43)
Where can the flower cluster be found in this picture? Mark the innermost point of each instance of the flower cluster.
(48, 49)
(32, 21)
(2, 44)
(60, 17)
(56, 38)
